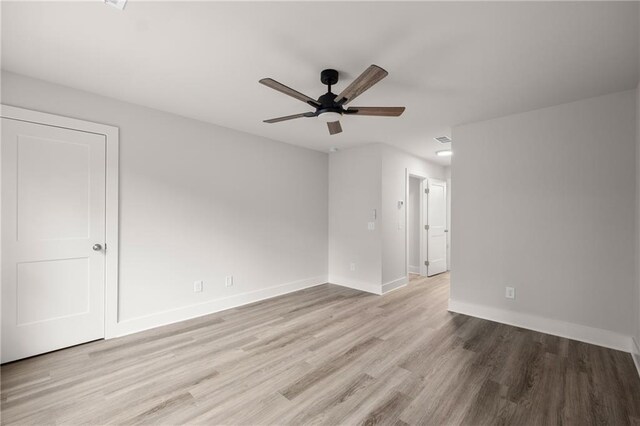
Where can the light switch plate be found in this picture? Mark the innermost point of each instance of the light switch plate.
(371, 226)
(510, 292)
(198, 286)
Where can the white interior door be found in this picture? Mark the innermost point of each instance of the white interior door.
(437, 225)
(53, 213)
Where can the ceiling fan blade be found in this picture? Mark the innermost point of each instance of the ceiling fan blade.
(379, 111)
(368, 78)
(269, 82)
(334, 127)
(290, 117)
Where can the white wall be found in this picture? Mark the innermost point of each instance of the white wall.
(395, 163)
(200, 202)
(413, 211)
(354, 193)
(362, 179)
(544, 202)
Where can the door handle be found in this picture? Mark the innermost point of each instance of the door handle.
(97, 247)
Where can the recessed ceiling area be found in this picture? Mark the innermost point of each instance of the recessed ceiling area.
(448, 63)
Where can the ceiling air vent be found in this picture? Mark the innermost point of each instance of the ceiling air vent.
(443, 139)
(118, 4)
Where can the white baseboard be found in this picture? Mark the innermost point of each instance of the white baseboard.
(636, 354)
(171, 316)
(595, 336)
(356, 285)
(394, 284)
(414, 269)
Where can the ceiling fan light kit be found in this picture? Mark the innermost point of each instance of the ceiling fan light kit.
(329, 116)
(330, 108)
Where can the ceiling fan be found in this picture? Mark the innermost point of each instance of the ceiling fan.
(330, 107)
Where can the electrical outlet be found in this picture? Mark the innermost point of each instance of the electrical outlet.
(228, 281)
(510, 293)
(352, 266)
(198, 286)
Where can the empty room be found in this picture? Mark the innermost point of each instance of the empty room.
(319, 212)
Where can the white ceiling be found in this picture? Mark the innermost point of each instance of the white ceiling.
(449, 63)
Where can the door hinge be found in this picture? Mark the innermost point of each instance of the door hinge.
(426, 227)
(426, 263)
(426, 190)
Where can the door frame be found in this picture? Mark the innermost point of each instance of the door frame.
(111, 135)
(423, 249)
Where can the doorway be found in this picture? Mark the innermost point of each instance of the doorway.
(426, 230)
(59, 232)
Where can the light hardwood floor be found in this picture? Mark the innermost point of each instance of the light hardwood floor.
(329, 355)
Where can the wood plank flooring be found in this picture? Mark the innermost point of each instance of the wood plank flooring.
(328, 355)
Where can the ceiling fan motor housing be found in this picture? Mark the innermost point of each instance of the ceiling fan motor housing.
(327, 103)
(329, 110)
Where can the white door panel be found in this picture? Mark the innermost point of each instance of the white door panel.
(53, 212)
(437, 221)
(53, 195)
